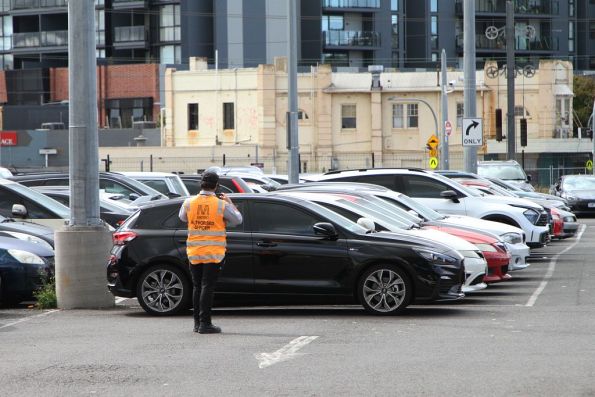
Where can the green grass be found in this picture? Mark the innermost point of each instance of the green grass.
(46, 296)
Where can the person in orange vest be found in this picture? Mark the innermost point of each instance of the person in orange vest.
(207, 215)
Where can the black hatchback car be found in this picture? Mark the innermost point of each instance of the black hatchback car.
(286, 249)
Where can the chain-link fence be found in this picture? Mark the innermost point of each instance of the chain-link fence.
(544, 178)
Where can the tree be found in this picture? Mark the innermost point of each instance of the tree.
(584, 94)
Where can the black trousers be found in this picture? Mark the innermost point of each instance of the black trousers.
(204, 278)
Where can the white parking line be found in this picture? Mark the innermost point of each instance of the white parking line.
(285, 353)
(28, 318)
(552, 267)
(120, 300)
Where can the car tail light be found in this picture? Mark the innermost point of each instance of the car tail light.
(555, 214)
(121, 238)
(238, 186)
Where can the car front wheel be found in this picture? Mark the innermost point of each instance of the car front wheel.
(384, 290)
(164, 290)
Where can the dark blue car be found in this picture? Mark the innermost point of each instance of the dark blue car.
(24, 267)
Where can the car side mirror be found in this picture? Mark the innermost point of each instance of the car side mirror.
(173, 195)
(325, 229)
(367, 224)
(19, 210)
(451, 195)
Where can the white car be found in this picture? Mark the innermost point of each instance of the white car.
(345, 205)
(449, 197)
(164, 182)
(511, 236)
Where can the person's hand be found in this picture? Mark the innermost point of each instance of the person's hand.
(224, 197)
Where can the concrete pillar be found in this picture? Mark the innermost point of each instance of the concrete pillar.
(82, 284)
(376, 121)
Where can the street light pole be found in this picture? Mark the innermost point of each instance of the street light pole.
(510, 72)
(444, 99)
(470, 104)
(292, 95)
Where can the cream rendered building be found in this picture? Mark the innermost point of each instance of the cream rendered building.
(346, 123)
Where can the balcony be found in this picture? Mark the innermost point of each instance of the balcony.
(348, 39)
(126, 4)
(542, 43)
(36, 4)
(131, 37)
(523, 7)
(54, 38)
(343, 4)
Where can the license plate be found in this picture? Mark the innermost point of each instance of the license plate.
(591, 205)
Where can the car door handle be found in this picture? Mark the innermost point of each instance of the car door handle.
(266, 244)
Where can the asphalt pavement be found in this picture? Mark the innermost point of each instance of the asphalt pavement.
(530, 336)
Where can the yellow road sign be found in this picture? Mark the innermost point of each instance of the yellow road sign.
(433, 163)
(433, 141)
(433, 153)
(589, 165)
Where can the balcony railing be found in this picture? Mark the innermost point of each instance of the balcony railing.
(127, 34)
(351, 3)
(28, 4)
(348, 38)
(54, 38)
(525, 7)
(541, 43)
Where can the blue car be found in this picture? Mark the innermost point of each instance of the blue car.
(24, 267)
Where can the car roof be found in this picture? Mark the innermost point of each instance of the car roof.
(332, 185)
(146, 173)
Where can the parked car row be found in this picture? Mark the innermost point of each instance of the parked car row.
(380, 237)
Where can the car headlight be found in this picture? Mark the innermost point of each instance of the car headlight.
(531, 215)
(437, 258)
(33, 239)
(512, 238)
(26, 257)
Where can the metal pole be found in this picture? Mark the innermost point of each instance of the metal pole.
(83, 245)
(292, 95)
(444, 139)
(469, 152)
(593, 134)
(510, 72)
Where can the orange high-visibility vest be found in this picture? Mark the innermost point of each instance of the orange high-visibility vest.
(206, 230)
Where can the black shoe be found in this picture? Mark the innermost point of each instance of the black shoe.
(196, 328)
(208, 329)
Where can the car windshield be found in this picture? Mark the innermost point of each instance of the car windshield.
(502, 171)
(41, 199)
(369, 210)
(139, 186)
(178, 185)
(579, 183)
(338, 219)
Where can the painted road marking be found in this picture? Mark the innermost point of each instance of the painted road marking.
(120, 300)
(285, 353)
(552, 267)
(28, 318)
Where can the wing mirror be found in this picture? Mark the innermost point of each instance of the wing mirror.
(19, 211)
(325, 229)
(367, 224)
(451, 195)
(173, 195)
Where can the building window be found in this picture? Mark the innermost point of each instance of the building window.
(348, 116)
(193, 116)
(412, 119)
(169, 54)
(332, 22)
(398, 121)
(570, 8)
(125, 111)
(228, 116)
(6, 39)
(521, 111)
(100, 53)
(434, 57)
(394, 5)
(433, 5)
(100, 27)
(395, 30)
(169, 23)
(460, 114)
(395, 59)
(434, 32)
(302, 115)
(592, 30)
(408, 121)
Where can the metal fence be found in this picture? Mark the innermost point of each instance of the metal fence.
(543, 178)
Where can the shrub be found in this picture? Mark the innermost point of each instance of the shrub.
(46, 296)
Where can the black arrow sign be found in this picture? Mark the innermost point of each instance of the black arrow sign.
(473, 124)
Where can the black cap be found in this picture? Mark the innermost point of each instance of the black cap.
(210, 177)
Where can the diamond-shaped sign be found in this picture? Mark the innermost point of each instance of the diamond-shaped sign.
(433, 141)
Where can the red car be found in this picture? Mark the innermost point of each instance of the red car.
(494, 251)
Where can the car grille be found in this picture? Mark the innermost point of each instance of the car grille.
(542, 220)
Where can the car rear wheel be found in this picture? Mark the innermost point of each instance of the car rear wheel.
(164, 290)
(385, 290)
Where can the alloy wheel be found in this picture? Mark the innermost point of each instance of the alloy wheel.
(384, 290)
(162, 290)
